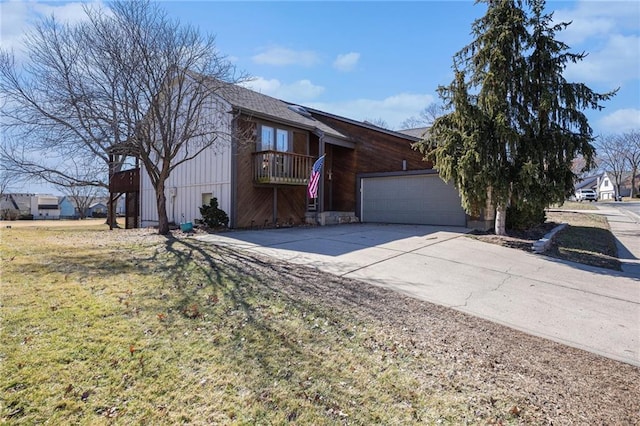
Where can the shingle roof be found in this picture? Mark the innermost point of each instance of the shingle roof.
(251, 102)
(588, 182)
(23, 201)
(417, 132)
(364, 124)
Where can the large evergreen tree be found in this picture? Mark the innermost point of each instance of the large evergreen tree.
(515, 123)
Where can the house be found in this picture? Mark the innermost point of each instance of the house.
(15, 206)
(97, 209)
(45, 207)
(260, 173)
(605, 188)
(29, 206)
(601, 183)
(68, 209)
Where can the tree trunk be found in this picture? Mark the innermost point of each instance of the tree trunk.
(501, 220)
(633, 181)
(112, 220)
(161, 200)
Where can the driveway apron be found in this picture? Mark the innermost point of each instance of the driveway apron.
(590, 308)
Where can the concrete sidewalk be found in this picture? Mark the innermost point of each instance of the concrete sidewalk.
(625, 226)
(590, 308)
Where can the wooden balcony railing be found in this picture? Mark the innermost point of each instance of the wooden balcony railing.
(281, 168)
(125, 181)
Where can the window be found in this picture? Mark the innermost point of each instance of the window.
(273, 139)
(282, 140)
(206, 198)
(266, 140)
(606, 183)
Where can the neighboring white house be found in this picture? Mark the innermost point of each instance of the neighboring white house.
(605, 188)
(601, 183)
(45, 207)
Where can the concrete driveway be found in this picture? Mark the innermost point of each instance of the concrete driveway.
(594, 309)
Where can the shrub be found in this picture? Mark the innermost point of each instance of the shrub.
(213, 216)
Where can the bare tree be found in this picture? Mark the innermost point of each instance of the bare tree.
(5, 181)
(82, 196)
(611, 156)
(127, 82)
(176, 82)
(378, 122)
(426, 117)
(631, 141)
(61, 106)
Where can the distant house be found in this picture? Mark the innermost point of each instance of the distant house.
(69, 206)
(97, 209)
(68, 209)
(15, 206)
(601, 183)
(606, 189)
(45, 207)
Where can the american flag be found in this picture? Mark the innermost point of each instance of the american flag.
(312, 189)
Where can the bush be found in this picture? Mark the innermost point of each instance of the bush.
(212, 216)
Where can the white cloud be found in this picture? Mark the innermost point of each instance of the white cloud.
(18, 18)
(347, 61)
(299, 91)
(282, 56)
(616, 62)
(597, 18)
(622, 120)
(608, 32)
(393, 109)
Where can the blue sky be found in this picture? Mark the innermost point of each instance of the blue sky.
(383, 60)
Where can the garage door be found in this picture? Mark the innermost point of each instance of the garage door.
(415, 199)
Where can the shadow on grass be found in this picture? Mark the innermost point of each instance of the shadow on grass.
(588, 245)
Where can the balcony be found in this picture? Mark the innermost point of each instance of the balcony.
(281, 168)
(125, 181)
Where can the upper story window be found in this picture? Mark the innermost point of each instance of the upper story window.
(606, 183)
(273, 139)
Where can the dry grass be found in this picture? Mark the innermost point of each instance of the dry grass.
(127, 327)
(576, 205)
(587, 239)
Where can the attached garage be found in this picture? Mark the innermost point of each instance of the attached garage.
(410, 198)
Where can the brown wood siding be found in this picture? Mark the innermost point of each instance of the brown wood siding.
(377, 151)
(374, 152)
(254, 204)
(300, 143)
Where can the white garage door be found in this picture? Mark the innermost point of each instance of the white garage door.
(415, 199)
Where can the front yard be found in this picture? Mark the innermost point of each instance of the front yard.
(128, 327)
(587, 239)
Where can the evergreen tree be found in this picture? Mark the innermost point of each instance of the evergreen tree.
(515, 123)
